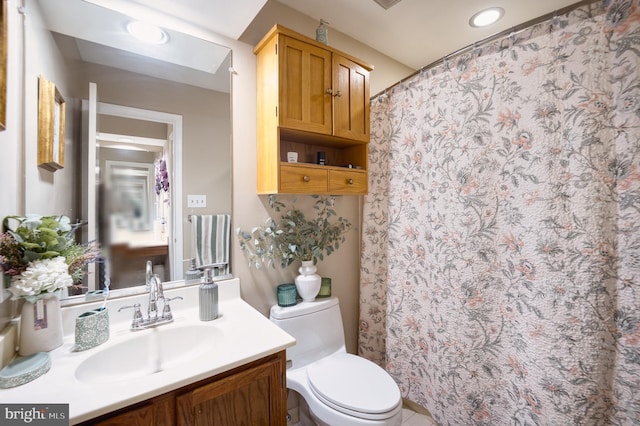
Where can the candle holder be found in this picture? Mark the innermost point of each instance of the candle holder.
(325, 287)
(287, 295)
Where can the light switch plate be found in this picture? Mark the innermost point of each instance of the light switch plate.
(196, 201)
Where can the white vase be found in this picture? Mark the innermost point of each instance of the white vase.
(308, 282)
(41, 325)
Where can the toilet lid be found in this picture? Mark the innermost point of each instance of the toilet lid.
(354, 385)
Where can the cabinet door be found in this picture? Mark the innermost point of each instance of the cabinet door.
(351, 99)
(305, 76)
(255, 396)
(142, 416)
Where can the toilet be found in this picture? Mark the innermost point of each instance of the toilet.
(339, 388)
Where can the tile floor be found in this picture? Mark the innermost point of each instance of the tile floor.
(411, 418)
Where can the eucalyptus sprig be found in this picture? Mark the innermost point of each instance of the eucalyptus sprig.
(292, 236)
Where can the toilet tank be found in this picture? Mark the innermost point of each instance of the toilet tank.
(316, 326)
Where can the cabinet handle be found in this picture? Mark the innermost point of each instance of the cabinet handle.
(330, 92)
(350, 181)
(306, 179)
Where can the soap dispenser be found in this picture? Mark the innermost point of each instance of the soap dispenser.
(193, 275)
(208, 294)
(322, 33)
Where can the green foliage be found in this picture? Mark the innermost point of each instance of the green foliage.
(42, 237)
(292, 236)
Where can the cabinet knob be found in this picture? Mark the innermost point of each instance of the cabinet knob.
(350, 181)
(330, 92)
(306, 179)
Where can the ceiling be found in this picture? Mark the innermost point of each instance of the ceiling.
(225, 17)
(419, 32)
(99, 38)
(413, 32)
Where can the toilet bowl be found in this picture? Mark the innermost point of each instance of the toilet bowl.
(339, 388)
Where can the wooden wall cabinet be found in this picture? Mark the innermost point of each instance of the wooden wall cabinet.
(254, 394)
(311, 98)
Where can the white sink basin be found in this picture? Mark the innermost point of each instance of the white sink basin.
(149, 352)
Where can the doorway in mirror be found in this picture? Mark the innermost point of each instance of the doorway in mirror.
(138, 173)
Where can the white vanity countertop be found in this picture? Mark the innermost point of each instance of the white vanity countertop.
(242, 335)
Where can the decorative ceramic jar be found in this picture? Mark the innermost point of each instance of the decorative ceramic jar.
(308, 282)
(92, 329)
(41, 325)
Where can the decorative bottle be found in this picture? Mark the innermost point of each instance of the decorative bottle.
(208, 295)
(321, 32)
(192, 275)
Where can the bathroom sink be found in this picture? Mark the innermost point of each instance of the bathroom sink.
(149, 352)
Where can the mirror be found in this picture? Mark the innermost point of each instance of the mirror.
(151, 128)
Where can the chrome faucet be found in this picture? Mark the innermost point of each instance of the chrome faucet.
(156, 293)
(154, 284)
(149, 274)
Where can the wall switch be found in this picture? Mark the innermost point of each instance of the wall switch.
(197, 201)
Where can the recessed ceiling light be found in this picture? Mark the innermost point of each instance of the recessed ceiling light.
(146, 32)
(387, 3)
(486, 17)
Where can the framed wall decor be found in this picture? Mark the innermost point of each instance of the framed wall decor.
(51, 118)
(3, 64)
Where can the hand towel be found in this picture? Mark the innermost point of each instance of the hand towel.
(210, 241)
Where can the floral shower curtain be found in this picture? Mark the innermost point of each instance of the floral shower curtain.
(500, 279)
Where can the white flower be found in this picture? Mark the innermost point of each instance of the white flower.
(41, 276)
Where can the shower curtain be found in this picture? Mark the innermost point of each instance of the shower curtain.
(500, 277)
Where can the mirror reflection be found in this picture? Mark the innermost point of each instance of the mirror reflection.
(152, 121)
(129, 201)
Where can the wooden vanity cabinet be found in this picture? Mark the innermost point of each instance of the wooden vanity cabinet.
(138, 416)
(253, 394)
(311, 98)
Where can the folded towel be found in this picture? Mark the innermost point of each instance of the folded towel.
(211, 241)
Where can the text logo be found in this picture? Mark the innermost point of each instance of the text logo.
(34, 414)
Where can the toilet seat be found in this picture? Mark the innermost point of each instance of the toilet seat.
(354, 386)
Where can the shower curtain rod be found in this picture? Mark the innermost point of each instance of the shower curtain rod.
(508, 32)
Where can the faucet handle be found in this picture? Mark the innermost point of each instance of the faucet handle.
(159, 286)
(166, 311)
(137, 315)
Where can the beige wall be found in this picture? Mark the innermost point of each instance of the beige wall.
(258, 287)
(48, 191)
(12, 157)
